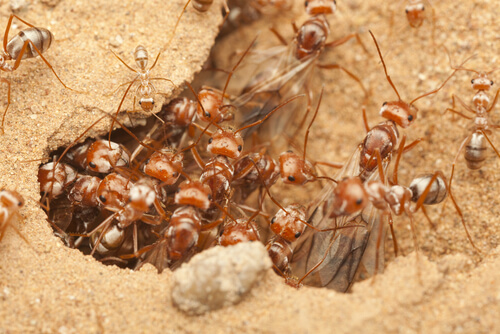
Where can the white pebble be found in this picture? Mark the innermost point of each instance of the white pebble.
(219, 277)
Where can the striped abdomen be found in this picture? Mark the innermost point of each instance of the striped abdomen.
(40, 37)
(475, 151)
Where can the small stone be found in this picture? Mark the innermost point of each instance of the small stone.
(116, 41)
(18, 5)
(219, 277)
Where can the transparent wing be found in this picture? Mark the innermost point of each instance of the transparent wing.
(340, 252)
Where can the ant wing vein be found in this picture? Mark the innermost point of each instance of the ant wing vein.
(340, 252)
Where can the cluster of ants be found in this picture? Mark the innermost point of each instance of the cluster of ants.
(161, 192)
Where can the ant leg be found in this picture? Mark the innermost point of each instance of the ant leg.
(20, 57)
(365, 119)
(122, 61)
(491, 143)
(309, 96)
(7, 29)
(230, 75)
(332, 241)
(494, 102)
(394, 240)
(270, 113)
(398, 158)
(352, 75)
(424, 211)
(345, 39)
(118, 109)
(279, 36)
(459, 212)
(410, 146)
(8, 102)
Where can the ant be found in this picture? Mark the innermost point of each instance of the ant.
(145, 90)
(38, 40)
(475, 144)
(369, 202)
(10, 203)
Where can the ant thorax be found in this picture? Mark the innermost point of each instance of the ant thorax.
(311, 37)
(481, 101)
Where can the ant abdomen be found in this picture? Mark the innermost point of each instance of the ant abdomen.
(475, 151)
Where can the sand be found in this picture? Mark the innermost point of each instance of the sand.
(48, 288)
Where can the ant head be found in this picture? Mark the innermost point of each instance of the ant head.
(11, 199)
(211, 102)
(238, 231)
(294, 170)
(147, 103)
(113, 191)
(349, 197)
(194, 193)
(54, 179)
(180, 111)
(311, 36)
(315, 7)
(400, 112)
(415, 13)
(481, 82)
(104, 156)
(289, 225)
(84, 191)
(165, 165)
(141, 57)
(226, 142)
(142, 195)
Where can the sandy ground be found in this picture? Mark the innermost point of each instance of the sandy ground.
(46, 287)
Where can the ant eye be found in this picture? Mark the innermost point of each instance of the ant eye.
(273, 220)
(289, 151)
(240, 148)
(297, 234)
(410, 118)
(102, 198)
(221, 232)
(153, 102)
(383, 104)
(209, 197)
(423, 7)
(472, 81)
(19, 203)
(210, 140)
(491, 83)
(178, 190)
(174, 174)
(359, 201)
(140, 103)
(306, 3)
(92, 164)
(291, 178)
(406, 10)
(207, 114)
